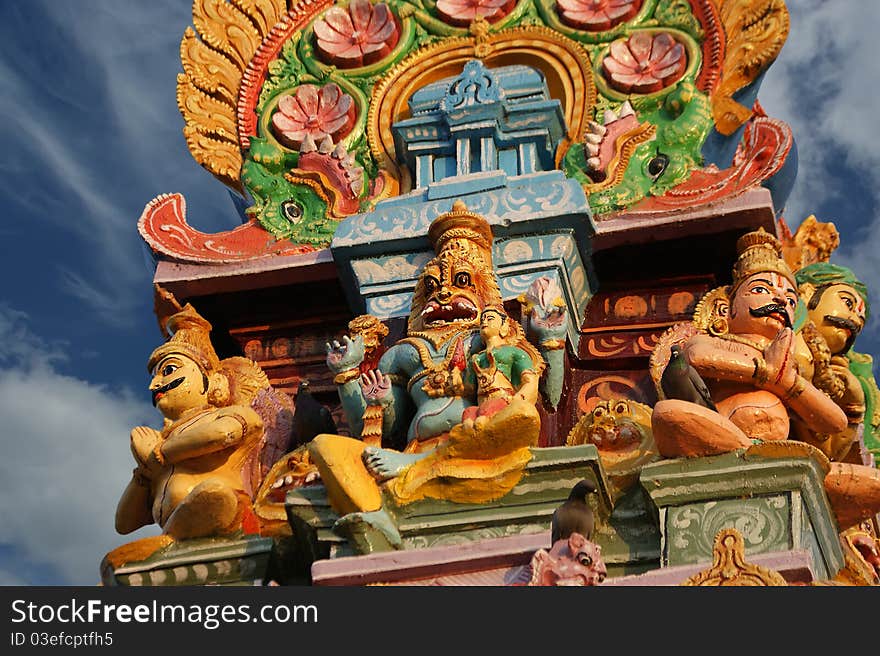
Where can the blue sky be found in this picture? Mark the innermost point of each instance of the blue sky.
(91, 133)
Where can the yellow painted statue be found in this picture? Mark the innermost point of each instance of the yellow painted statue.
(836, 303)
(197, 475)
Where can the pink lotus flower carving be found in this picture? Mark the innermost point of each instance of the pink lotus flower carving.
(358, 35)
(644, 63)
(313, 112)
(596, 15)
(464, 12)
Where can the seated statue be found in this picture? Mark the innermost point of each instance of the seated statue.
(426, 383)
(224, 427)
(737, 381)
(508, 367)
(746, 357)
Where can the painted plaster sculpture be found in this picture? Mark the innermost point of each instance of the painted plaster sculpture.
(372, 332)
(743, 346)
(574, 128)
(862, 553)
(571, 561)
(508, 366)
(730, 568)
(461, 386)
(428, 367)
(544, 317)
(621, 431)
(292, 105)
(836, 313)
(808, 251)
(223, 429)
(747, 358)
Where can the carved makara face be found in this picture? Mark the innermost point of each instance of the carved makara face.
(613, 426)
(572, 562)
(178, 385)
(763, 305)
(839, 314)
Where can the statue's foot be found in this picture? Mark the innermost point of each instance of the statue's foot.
(385, 464)
(853, 491)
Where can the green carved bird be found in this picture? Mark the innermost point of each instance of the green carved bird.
(681, 381)
(575, 514)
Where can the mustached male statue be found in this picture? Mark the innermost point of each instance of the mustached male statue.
(746, 352)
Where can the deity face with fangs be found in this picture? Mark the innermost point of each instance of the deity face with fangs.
(458, 283)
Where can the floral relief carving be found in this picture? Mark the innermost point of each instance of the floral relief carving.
(463, 12)
(357, 35)
(645, 62)
(315, 112)
(596, 15)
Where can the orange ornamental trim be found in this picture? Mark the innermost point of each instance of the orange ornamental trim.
(255, 73)
(164, 227)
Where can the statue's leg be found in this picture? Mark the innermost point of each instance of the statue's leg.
(853, 491)
(211, 508)
(684, 429)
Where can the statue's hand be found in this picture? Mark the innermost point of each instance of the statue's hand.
(547, 326)
(779, 356)
(143, 441)
(376, 387)
(852, 398)
(143, 444)
(348, 355)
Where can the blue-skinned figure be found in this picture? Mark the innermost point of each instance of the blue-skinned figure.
(420, 381)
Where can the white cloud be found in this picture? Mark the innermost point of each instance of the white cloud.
(66, 458)
(826, 86)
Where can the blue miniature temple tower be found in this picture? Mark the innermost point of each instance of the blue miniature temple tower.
(489, 138)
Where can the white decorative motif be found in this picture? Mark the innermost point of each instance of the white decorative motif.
(394, 305)
(506, 206)
(517, 251)
(398, 267)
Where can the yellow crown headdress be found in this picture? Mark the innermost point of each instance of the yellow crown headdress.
(190, 336)
(460, 223)
(759, 252)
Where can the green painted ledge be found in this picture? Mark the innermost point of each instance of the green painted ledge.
(777, 503)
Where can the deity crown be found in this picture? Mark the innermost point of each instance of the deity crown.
(759, 252)
(460, 223)
(190, 336)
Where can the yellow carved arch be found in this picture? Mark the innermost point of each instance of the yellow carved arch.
(754, 31)
(214, 57)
